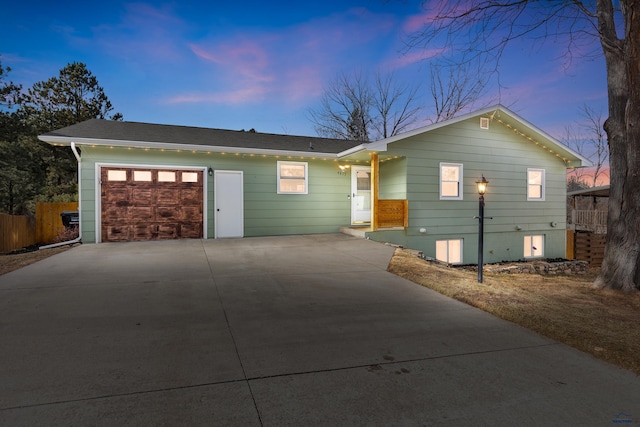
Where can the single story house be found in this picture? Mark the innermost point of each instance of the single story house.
(140, 181)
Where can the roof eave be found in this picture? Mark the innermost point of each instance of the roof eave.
(59, 140)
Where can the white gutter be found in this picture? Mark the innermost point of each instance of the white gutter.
(75, 153)
(79, 238)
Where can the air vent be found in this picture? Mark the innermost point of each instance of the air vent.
(484, 123)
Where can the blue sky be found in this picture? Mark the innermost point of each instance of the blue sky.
(242, 65)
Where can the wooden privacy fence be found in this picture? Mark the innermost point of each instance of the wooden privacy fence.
(48, 221)
(587, 247)
(16, 232)
(392, 213)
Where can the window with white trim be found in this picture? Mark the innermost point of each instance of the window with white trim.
(535, 184)
(293, 178)
(534, 246)
(450, 181)
(449, 251)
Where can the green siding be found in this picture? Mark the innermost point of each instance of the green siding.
(503, 157)
(324, 210)
(393, 179)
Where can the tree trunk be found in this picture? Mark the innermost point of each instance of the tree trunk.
(621, 264)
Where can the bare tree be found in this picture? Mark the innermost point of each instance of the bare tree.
(353, 108)
(345, 108)
(395, 104)
(590, 140)
(456, 92)
(484, 28)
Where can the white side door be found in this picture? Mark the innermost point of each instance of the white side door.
(228, 204)
(360, 194)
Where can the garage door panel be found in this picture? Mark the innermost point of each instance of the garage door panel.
(168, 196)
(191, 230)
(191, 196)
(191, 213)
(142, 196)
(168, 231)
(138, 213)
(113, 214)
(117, 195)
(171, 213)
(151, 204)
(143, 232)
(115, 233)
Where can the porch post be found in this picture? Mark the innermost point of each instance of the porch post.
(375, 183)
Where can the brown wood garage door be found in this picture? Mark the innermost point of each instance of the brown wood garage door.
(151, 204)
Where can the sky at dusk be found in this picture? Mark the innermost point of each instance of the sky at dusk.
(245, 64)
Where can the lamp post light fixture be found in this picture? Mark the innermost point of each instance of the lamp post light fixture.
(482, 189)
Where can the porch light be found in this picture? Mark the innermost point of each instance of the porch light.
(482, 189)
(482, 185)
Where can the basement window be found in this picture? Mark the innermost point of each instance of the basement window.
(534, 246)
(449, 251)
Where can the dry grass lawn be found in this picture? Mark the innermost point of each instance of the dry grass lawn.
(567, 309)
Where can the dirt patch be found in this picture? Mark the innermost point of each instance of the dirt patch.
(567, 309)
(14, 261)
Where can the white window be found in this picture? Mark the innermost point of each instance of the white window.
(450, 181)
(115, 175)
(144, 176)
(189, 176)
(535, 184)
(166, 176)
(292, 178)
(533, 246)
(449, 251)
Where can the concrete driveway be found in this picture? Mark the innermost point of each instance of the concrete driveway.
(300, 330)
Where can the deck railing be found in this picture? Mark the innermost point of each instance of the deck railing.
(590, 220)
(392, 213)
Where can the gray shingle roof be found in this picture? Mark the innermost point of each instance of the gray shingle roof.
(109, 130)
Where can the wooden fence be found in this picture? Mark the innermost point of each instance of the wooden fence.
(588, 247)
(48, 221)
(392, 213)
(17, 232)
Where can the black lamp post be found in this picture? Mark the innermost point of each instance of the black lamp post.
(482, 188)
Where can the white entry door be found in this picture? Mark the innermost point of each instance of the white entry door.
(360, 194)
(228, 204)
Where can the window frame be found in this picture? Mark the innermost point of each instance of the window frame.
(531, 245)
(460, 181)
(280, 178)
(448, 242)
(542, 185)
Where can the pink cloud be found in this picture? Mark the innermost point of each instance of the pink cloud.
(244, 58)
(240, 96)
(413, 57)
(431, 10)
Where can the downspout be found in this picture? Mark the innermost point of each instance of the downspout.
(79, 238)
